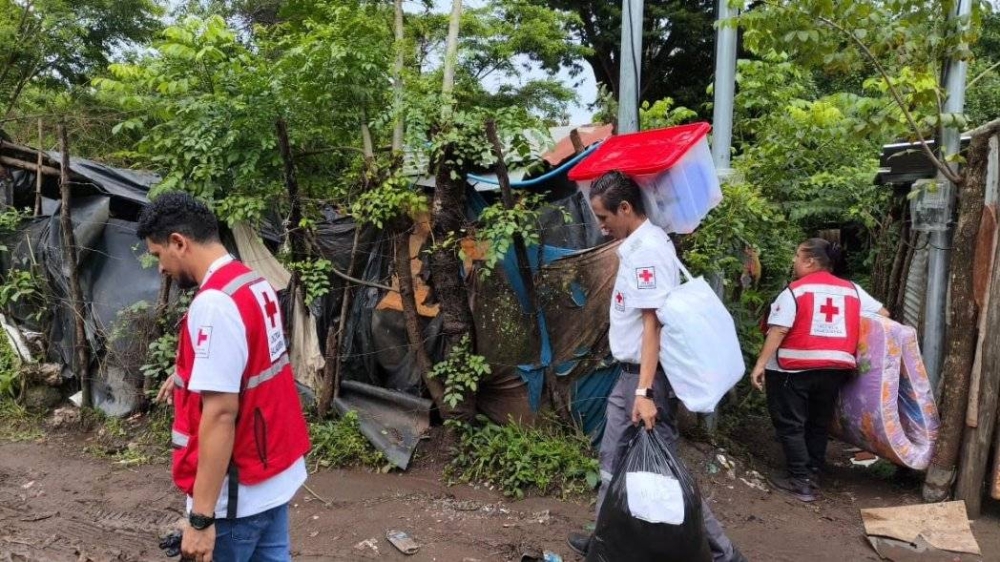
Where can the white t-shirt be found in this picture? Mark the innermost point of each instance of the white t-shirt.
(646, 272)
(219, 337)
(783, 311)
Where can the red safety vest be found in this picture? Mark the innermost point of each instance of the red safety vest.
(271, 432)
(827, 323)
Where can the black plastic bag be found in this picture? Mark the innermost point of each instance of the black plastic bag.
(620, 535)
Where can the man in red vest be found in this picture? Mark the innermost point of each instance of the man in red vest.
(239, 435)
(812, 340)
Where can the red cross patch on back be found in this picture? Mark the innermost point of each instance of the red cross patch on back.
(645, 277)
(829, 320)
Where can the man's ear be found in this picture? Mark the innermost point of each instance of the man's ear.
(178, 240)
(625, 207)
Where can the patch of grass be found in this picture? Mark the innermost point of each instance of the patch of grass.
(549, 459)
(340, 444)
(17, 424)
(131, 441)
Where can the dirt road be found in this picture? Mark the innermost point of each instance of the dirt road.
(58, 503)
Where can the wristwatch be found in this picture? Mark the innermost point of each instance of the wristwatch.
(644, 392)
(200, 522)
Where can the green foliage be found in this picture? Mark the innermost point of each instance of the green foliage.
(315, 277)
(340, 444)
(515, 458)
(11, 381)
(160, 358)
(498, 226)
(461, 372)
(391, 201)
(25, 288)
(662, 114)
(205, 109)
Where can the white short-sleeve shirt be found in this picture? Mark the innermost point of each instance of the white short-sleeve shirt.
(219, 337)
(783, 311)
(647, 270)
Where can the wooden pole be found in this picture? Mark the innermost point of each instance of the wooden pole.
(38, 176)
(403, 262)
(331, 375)
(978, 440)
(82, 366)
(962, 324)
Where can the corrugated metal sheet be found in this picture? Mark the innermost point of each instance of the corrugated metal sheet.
(916, 284)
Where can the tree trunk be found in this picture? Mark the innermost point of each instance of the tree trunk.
(331, 372)
(896, 282)
(402, 261)
(978, 440)
(295, 236)
(446, 270)
(397, 82)
(962, 325)
(82, 363)
(450, 61)
(38, 175)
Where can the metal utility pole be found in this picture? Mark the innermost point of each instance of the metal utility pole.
(725, 89)
(940, 238)
(630, 67)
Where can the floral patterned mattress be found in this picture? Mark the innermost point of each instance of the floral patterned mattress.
(888, 408)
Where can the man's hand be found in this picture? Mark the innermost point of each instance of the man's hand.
(197, 546)
(644, 410)
(757, 377)
(166, 393)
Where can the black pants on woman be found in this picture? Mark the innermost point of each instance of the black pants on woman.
(801, 407)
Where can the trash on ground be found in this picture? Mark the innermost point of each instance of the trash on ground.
(924, 527)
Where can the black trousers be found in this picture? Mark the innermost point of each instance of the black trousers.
(801, 407)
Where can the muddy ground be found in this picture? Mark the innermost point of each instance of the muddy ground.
(58, 502)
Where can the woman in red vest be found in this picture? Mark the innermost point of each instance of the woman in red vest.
(812, 340)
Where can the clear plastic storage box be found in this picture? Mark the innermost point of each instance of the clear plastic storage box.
(673, 166)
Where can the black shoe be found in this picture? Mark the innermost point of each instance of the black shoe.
(579, 542)
(801, 489)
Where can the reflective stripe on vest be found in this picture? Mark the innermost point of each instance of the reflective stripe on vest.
(269, 373)
(178, 381)
(817, 355)
(237, 283)
(825, 290)
(178, 439)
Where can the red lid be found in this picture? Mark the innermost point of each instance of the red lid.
(640, 154)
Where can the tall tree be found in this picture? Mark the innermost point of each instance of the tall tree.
(678, 45)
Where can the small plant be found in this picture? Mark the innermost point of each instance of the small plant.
(461, 372)
(161, 357)
(498, 226)
(340, 444)
(516, 458)
(315, 277)
(11, 381)
(22, 286)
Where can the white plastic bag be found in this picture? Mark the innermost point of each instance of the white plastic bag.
(699, 349)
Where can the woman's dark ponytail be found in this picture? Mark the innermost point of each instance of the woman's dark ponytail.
(828, 255)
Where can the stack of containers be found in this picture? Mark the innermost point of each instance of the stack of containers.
(673, 166)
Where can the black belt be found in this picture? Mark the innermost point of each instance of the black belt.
(633, 368)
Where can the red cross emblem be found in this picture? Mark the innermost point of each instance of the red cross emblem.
(829, 310)
(202, 336)
(646, 276)
(619, 298)
(271, 310)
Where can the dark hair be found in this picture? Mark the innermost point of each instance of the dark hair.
(615, 187)
(829, 255)
(178, 212)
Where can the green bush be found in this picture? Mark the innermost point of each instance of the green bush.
(340, 444)
(515, 458)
